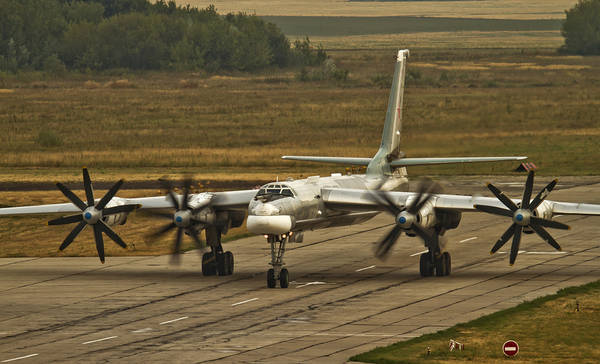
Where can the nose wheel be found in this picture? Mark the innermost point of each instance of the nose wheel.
(277, 273)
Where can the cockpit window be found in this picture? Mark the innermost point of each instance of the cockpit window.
(275, 191)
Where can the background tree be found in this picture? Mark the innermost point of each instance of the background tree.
(581, 29)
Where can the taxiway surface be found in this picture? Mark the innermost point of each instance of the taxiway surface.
(341, 300)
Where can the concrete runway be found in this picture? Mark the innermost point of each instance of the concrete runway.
(341, 300)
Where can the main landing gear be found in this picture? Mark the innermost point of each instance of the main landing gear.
(216, 262)
(278, 273)
(431, 263)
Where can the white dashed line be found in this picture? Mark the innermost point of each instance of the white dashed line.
(469, 239)
(419, 253)
(95, 341)
(310, 284)
(365, 268)
(175, 320)
(19, 358)
(246, 301)
(142, 330)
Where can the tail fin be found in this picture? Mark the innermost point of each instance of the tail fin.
(390, 140)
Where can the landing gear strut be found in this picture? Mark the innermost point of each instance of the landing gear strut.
(277, 273)
(434, 261)
(216, 262)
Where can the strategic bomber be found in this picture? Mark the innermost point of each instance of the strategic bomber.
(282, 211)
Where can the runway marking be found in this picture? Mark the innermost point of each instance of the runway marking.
(469, 239)
(419, 253)
(520, 252)
(175, 320)
(98, 340)
(357, 335)
(310, 284)
(365, 268)
(246, 301)
(142, 330)
(19, 358)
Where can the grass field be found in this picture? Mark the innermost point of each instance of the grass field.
(496, 9)
(548, 330)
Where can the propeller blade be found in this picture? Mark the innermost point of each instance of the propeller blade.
(388, 241)
(494, 210)
(503, 239)
(71, 196)
(99, 242)
(548, 223)
(194, 235)
(176, 252)
(542, 195)
(420, 192)
(386, 201)
(502, 197)
(119, 209)
(514, 248)
(187, 183)
(109, 195)
(66, 220)
(527, 191)
(162, 230)
(69, 239)
(87, 185)
(111, 234)
(545, 236)
(430, 241)
(167, 185)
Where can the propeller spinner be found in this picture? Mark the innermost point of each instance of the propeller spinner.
(92, 214)
(523, 216)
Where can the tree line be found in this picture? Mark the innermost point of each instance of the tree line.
(137, 34)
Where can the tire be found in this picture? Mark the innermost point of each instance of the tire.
(440, 266)
(425, 266)
(229, 260)
(284, 278)
(208, 265)
(447, 263)
(222, 264)
(271, 282)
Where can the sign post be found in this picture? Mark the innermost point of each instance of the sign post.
(510, 348)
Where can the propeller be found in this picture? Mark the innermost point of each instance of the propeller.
(183, 219)
(523, 216)
(92, 214)
(406, 219)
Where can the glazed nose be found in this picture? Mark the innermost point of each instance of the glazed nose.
(266, 209)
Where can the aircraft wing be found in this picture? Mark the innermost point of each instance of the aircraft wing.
(220, 200)
(362, 200)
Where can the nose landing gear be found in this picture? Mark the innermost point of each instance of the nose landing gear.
(278, 273)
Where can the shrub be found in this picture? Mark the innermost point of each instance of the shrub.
(581, 28)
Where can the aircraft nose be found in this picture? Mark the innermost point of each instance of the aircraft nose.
(266, 209)
(274, 224)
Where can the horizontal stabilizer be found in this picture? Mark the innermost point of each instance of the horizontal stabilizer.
(338, 160)
(403, 162)
(428, 161)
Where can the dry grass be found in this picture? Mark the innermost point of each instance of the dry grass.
(496, 9)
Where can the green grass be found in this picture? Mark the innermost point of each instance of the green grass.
(548, 330)
(356, 25)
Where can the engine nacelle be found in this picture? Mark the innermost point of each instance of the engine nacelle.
(544, 211)
(207, 215)
(115, 219)
(448, 219)
(426, 217)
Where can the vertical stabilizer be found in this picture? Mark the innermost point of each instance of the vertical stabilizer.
(390, 140)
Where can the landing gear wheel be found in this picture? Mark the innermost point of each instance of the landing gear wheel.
(271, 282)
(425, 265)
(284, 278)
(440, 266)
(209, 268)
(229, 260)
(447, 262)
(222, 264)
